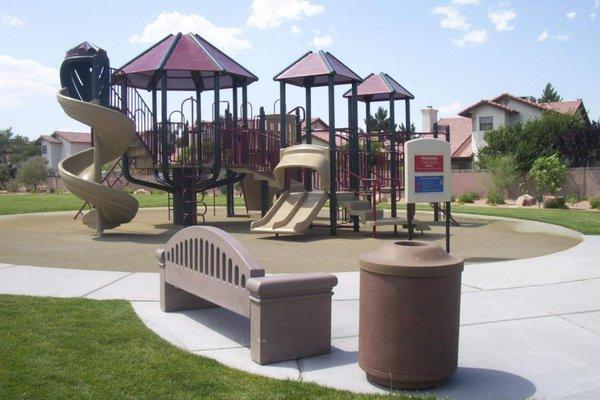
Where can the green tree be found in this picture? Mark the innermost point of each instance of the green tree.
(503, 174)
(569, 136)
(380, 121)
(549, 94)
(33, 172)
(547, 176)
(14, 150)
(403, 129)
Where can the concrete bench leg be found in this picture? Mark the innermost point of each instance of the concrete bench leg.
(175, 299)
(292, 325)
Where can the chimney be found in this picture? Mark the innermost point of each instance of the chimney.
(430, 117)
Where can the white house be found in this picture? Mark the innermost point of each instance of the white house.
(61, 144)
(468, 130)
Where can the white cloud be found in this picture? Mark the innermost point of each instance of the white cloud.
(452, 18)
(23, 80)
(545, 35)
(466, 2)
(267, 14)
(10, 20)
(321, 42)
(593, 15)
(472, 38)
(230, 40)
(502, 19)
(571, 15)
(295, 31)
(450, 109)
(563, 37)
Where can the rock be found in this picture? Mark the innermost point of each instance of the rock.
(22, 189)
(41, 189)
(142, 191)
(525, 201)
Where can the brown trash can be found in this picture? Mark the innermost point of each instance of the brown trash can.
(409, 314)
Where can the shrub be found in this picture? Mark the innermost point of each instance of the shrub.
(495, 198)
(503, 174)
(547, 176)
(595, 203)
(556, 202)
(572, 199)
(469, 197)
(52, 191)
(12, 186)
(33, 172)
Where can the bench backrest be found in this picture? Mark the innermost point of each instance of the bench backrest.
(213, 265)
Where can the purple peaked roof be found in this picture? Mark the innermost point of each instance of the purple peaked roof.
(380, 87)
(313, 69)
(189, 62)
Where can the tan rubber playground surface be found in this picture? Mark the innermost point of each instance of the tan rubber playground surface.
(56, 240)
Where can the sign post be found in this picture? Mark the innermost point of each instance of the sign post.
(427, 177)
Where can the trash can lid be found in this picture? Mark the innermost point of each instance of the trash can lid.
(411, 258)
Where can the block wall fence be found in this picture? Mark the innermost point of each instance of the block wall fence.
(584, 182)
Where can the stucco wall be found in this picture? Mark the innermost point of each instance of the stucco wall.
(584, 182)
(526, 112)
(499, 119)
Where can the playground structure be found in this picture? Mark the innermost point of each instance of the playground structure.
(185, 155)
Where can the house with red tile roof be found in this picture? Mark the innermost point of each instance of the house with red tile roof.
(507, 109)
(61, 144)
(467, 131)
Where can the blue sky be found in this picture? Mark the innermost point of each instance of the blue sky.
(449, 53)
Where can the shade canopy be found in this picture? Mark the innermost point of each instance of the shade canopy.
(190, 63)
(380, 87)
(314, 69)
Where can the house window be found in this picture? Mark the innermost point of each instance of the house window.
(44, 149)
(486, 123)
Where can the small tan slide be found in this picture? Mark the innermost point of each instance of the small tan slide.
(115, 133)
(293, 212)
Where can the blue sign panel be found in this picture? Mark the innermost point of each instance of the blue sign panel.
(429, 184)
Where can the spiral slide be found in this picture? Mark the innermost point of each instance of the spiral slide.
(115, 133)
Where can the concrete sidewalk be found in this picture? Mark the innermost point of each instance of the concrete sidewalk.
(528, 327)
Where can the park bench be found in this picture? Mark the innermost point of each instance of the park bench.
(290, 315)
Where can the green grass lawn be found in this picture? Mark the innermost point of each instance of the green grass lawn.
(89, 349)
(585, 222)
(30, 203)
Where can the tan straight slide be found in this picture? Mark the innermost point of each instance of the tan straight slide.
(115, 133)
(292, 213)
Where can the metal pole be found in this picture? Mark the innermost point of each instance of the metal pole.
(308, 123)
(436, 205)
(98, 179)
(264, 185)
(217, 119)
(332, 160)
(235, 104)
(198, 126)
(448, 204)
(393, 162)
(410, 208)
(245, 105)
(354, 165)
(282, 133)
(368, 149)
